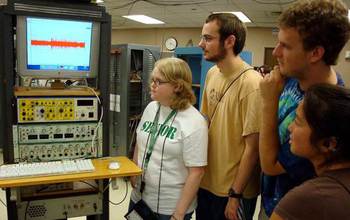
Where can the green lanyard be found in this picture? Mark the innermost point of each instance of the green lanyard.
(155, 135)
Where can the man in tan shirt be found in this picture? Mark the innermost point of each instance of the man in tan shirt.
(230, 102)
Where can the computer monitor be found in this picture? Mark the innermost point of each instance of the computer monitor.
(57, 48)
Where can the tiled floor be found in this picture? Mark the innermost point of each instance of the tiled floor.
(117, 212)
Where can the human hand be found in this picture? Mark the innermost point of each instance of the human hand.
(271, 85)
(133, 181)
(231, 209)
(177, 216)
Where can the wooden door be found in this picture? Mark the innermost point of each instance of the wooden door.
(269, 60)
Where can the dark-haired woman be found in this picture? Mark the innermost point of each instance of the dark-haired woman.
(321, 133)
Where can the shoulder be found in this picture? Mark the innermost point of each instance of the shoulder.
(250, 82)
(193, 115)
(319, 198)
(297, 194)
(151, 107)
(342, 175)
(251, 77)
(212, 71)
(312, 187)
(299, 201)
(292, 91)
(192, 120)
(291, 83)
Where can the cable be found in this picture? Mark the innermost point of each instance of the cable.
(161, 164)
(118, 203)
(154, 57)
(43, 188)
(93, 91)
(133, 129)
(164, 3)
(3, 203)
(126, 193)
(158, 3)
(92, 186)
(25, 213)
(96, 131)
(96, 187)
(125, 5)
(273, 2)
(177, 3)
(104, 190)
(132, 5)
(99, 121)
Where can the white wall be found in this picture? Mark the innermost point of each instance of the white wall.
(257, 40)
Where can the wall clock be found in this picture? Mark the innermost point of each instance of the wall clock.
(171, 43)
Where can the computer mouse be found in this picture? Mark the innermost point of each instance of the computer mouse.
(113, 165)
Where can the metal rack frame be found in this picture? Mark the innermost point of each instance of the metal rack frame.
(81, 10)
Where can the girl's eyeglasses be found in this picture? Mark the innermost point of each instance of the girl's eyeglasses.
(158, 82)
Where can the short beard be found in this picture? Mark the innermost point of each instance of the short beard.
(220, 56)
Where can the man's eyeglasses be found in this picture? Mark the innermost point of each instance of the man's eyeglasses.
(159, 82)
(207, 38)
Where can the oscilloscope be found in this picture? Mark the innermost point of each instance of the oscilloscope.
(57, 48)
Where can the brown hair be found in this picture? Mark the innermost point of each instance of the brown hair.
(326, 108)
(320, 23)
(230, 25)
(177, 72)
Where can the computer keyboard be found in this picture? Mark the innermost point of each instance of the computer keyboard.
(46, 168)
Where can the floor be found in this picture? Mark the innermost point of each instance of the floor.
(117, 212)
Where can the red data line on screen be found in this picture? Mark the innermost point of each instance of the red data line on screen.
(58, 43)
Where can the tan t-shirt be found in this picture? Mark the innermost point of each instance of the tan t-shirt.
(321, 198)
(237, 115)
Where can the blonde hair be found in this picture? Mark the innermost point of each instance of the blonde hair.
(178, 73)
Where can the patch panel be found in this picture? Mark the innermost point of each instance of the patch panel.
(33, 110)
(57, 151)
(57, 132)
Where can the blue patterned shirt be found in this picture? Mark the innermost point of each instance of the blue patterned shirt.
(297, 169)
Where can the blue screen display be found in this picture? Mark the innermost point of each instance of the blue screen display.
(58, 44)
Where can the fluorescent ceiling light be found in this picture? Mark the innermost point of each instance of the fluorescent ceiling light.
(99, 1)
(241, 16)
(143, 19)
(349, 14)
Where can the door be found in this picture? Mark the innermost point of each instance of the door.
(269, 60)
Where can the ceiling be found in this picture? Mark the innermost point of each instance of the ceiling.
(192, 13)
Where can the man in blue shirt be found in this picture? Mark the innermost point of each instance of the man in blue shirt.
(311, 36)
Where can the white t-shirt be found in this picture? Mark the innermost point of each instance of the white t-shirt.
(186, 141)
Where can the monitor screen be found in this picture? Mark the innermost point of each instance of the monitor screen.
(57, 48)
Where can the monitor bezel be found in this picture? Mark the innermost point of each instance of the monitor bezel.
(22, 70)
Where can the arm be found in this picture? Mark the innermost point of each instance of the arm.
(134, 158)
(189, 191)
(194, 153)
(246, 168)
(270, 88)
(268, 142)
(204, 104)
(204, 108)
